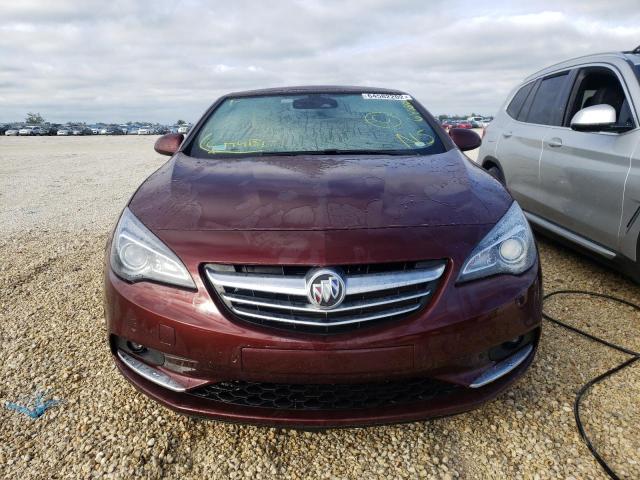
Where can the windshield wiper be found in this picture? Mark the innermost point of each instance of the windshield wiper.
(326, 151)
(335, 151)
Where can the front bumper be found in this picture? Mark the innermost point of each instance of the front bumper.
(449, 341)
(460, 400)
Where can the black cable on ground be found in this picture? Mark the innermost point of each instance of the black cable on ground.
(635, 356)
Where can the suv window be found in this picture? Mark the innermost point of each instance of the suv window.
(518, 100)
(546, 106)
(596, 86)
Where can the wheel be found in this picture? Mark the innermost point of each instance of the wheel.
(496, 173)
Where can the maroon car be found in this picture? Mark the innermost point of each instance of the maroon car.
(321, 256)
(448, 125)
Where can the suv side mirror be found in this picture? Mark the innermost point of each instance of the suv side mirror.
(596, 118)
(465, 139)
(168, 144)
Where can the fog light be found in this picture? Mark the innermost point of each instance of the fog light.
(136, 347)
(511, 344)
(505, 349)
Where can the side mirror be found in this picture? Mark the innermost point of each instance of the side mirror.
(168, 144)
(596, 118)
(465, 139)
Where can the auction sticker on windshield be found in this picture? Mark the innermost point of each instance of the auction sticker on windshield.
(385, 96)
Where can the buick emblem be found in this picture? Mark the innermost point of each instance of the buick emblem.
(325, 288)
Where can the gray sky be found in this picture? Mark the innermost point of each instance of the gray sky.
(118, 60)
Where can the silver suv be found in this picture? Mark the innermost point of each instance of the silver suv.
(567, 145)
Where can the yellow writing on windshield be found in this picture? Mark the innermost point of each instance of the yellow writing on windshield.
(411, 110)
(252, 145)
(382, 120)
(419, 139)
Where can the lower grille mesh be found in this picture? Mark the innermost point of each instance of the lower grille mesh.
(324, 397)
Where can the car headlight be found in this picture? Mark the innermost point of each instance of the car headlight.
(137, 254)
(507, 248)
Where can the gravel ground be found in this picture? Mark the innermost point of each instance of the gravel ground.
(58, 199)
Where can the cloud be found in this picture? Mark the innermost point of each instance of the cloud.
(161, 60)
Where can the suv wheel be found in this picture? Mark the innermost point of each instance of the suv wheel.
(496, 173)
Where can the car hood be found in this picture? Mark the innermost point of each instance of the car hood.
(318, 193)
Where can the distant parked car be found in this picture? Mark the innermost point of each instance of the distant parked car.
(565, 143)
(464, 124)
(32, 130)
(184, 129)
(81, 131)
(111, 131)
(95, 131)
(64, 132)
(12, 132)
(145, 131)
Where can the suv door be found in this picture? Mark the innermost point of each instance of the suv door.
(520, 142)
(583, 173)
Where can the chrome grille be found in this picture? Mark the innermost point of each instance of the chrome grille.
(277, 296)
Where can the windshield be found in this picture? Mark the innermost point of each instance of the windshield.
(316, 124)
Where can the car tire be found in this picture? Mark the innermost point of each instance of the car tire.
(496, 173)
